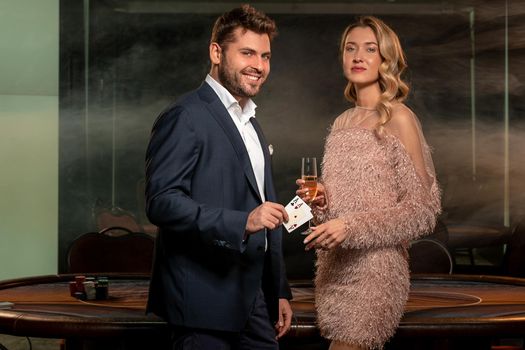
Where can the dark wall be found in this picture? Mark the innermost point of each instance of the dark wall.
(136, 63)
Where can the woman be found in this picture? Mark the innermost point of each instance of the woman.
(378, 193)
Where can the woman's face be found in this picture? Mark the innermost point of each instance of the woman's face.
(361, 58)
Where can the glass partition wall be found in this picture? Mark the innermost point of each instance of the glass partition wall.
(123, 61)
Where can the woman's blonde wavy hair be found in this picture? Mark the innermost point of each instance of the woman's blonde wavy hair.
(393, 88)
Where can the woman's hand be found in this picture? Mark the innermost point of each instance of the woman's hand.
(327, 235)
(320, 198)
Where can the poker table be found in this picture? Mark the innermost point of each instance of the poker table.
(438, 306)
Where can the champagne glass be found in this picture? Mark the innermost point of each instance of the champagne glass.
(309, 175)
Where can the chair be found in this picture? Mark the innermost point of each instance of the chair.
(97, 252)
(429, 256)
(514, 258)
(115, 217)
(464, 237)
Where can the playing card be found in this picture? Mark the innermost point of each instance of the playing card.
(298, 213)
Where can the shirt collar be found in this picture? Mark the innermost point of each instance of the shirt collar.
(230, 102)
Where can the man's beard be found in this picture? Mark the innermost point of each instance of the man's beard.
(231, 81)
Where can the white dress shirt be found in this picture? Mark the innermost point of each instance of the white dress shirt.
(241, 117)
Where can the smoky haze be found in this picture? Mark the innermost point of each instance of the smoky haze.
(141, 62)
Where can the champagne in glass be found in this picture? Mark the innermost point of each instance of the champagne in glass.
(309, 175)
(310, 183)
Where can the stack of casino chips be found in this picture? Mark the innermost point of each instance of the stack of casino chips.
(89, 288)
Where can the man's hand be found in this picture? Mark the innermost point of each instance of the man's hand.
(267, 215)
(285, 318)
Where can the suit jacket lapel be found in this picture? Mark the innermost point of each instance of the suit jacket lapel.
(221, 115)
(268, 179)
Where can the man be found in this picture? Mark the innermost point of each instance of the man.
(218, 277)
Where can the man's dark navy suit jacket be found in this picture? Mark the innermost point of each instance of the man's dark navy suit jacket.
(200, 188)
